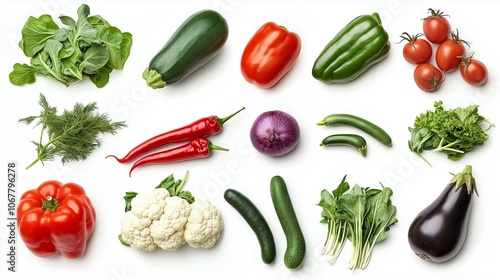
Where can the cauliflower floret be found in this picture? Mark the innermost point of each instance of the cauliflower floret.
(168, 231)
(150, 204)
(136, 225)
(135, 232)
(204, 225)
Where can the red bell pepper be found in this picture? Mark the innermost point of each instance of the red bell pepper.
(56, 218)
(269, 55)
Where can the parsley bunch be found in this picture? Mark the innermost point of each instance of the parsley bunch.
(453, 132)
(72, 135)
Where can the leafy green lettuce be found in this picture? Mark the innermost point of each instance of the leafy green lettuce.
(88, 47)
(453, 132)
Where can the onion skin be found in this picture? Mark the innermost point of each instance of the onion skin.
(439, 231)
(275, 133)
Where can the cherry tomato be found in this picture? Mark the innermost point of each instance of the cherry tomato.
(449, 53)
(428, 77)
(436, 27)
(473, 71)
(416, 51)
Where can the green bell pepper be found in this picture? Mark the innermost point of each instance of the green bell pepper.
(359, 45)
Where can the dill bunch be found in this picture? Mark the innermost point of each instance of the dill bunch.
(72, 135)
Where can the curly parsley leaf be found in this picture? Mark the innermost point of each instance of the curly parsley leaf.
(72, 135)
(453, 132)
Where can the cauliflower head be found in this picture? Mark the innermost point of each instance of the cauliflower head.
(156, 220)
(204, 225)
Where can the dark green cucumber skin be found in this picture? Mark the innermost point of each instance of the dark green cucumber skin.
(195, 42)
(256, 221)
(296, 244)
(352, 140)
(351, 120)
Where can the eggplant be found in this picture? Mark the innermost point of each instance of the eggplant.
(439, 231)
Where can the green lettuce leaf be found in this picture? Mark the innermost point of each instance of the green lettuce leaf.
(112, 39)
(94, 58)
(48, 63)
(22, 74)
(82, 32)
(101, 77)
(86, 47)
(35, 33)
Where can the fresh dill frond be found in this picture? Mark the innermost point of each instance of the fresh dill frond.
(72, 135)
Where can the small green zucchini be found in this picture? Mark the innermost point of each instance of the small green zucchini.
(296, 244)
(353, 140)
(195, 42)
(256, 221)
(351, 120)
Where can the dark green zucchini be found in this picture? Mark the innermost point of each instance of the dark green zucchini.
(195, 42)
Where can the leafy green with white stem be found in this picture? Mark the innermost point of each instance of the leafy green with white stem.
(337, 228)
(362, 215)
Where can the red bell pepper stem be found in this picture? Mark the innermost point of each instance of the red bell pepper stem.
(50, 203)
(200, 128)
(197, 148)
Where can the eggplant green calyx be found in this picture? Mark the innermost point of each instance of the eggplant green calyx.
(464, 179)
(153, 78)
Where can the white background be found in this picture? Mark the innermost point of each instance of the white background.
(386, 95)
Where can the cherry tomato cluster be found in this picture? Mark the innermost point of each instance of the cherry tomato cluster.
(450, 54)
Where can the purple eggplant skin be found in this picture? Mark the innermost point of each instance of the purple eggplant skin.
(439, 231)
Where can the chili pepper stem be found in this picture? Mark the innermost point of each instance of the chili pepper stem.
(223, 120)
(212, 147)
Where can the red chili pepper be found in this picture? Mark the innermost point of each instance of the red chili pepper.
(203, 127)
(197, 148)
(269, 55)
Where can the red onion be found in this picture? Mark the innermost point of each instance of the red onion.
(275, 133)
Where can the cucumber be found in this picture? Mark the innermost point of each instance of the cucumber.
(296, 244)
(256, 221)
(351, 120)
(353, 140)
(195, 42)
